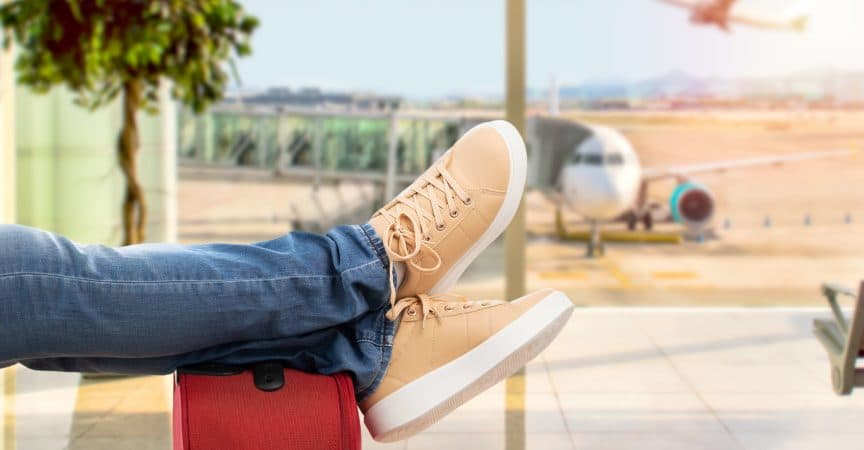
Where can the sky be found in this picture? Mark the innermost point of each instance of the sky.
(437, 48)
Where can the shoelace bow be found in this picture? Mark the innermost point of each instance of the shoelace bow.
(407, 234)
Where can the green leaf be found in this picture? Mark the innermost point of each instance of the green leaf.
(76, 10)
(91, 46)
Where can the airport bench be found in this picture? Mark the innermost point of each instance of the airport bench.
(842, 338)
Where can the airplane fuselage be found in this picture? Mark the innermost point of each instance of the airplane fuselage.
(602, 176)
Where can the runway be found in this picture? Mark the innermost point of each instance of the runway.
(781, 266)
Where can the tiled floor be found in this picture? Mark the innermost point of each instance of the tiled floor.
(645, 378)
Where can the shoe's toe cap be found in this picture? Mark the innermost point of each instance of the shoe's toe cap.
(487, 156)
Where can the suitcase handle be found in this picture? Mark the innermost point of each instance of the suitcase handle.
(268, 376)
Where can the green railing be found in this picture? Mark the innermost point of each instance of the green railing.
(328, 141)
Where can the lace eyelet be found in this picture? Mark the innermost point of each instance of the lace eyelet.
(454, 214)
(468, 201)
(412, 312)
(449, 308)
(484, 304)
(466, 306)
(427, 238)
(439, 227)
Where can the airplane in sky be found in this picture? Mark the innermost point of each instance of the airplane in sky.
(602, 179)
(722, 12)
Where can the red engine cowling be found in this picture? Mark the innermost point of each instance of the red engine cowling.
(692, 204)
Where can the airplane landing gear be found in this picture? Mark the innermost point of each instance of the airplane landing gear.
(633, 221)
(595, 243)
(648, 221)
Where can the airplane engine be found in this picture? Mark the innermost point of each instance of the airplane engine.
(692, 204)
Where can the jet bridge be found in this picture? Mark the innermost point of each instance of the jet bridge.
(329, 149)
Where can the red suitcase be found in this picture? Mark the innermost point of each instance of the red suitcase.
(267, 407)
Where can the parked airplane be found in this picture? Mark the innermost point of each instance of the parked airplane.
(721, 13)
(602, 180)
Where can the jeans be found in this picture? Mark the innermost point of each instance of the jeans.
(315, 302)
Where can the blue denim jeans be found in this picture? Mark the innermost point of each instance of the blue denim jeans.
(315, 302)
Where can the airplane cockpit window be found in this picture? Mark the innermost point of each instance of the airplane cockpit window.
(614, 159)
(597, 159)
(592, 159)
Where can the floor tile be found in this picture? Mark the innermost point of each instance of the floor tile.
(543, 414)
(656, 376)
(715, 377)
(121, 443)
(439, 441)
(655, 441)
(788, 413)
(47, 443)
(549, 441)
(623, 413)
(790, 440)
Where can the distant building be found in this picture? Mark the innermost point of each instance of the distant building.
(283, 97)
(678, 90)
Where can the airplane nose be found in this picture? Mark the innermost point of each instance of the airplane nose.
(594, 195)
(607, 198)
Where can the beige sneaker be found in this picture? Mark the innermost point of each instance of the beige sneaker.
(441, 222)
(448, 349)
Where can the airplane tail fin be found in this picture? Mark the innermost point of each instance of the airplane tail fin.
(798, 16)
(799, 23)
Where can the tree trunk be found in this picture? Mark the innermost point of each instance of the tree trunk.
(134, 203)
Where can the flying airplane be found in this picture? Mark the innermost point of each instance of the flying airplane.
(601, 178)
(721, 13)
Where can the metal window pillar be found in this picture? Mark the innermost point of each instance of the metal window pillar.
(514, 237)
(392, 153)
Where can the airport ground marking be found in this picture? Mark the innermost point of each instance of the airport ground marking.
(575, 275)
(624, 281)
(9, 408)
(514, 392)
(675, 275)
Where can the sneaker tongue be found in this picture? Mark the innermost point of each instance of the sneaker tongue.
(448, 297)
(425, 204)
(404, 221)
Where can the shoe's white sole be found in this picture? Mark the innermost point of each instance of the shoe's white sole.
(424, 401)
(515, 189)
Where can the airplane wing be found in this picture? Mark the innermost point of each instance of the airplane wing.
(653, 174)
(689, 4)
(796, 21)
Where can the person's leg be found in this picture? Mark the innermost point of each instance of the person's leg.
(60, 299)
(446, 349)
(361, 348)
